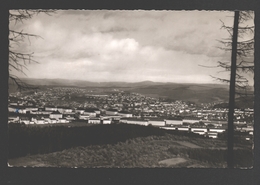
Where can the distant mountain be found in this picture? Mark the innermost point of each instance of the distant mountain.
(83, 83)
(203, 93)
(198, 93)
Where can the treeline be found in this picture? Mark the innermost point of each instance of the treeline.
(26, 140)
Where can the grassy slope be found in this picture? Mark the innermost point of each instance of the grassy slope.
(139, 152)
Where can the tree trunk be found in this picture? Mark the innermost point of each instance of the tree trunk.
(230, 157)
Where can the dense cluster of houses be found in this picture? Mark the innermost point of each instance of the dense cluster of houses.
(53, 115)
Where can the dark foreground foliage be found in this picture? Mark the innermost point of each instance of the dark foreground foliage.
(217, 157)
(29, 140)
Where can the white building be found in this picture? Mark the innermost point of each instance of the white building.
(112, 112)
(62, 120)
(24, 120)
(217, 130)
(190, 120)
(83, 117)
(56, 115)
(106, 121)
(173, 122)
(200, 131)
(94, 121)
(212, 135)
(64, 110)
(156, 122)
(50, 108)
(90, 113)
(125, 114)
(183, 128)
(79, 110)
(137, 122)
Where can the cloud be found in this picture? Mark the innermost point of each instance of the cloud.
(106, 45)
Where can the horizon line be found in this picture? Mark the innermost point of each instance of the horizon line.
(122, 81)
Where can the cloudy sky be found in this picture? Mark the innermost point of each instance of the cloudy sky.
(130, 46)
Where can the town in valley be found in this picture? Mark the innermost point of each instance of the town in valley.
(75, 106)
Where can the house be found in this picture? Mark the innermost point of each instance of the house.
(39, 121)
(125, 114)
(79, 110)
(69, 118)
(52, 121)
(43, 119)
(212, 135)
(123, 120)
(64, 110)
(62, 120)
(200, 131)
(21, 109)
(56, 115)
(94, 121)
(90, 112)
(51, 108)
(111, 112)
(83, 117)
(190, 120)
(106, 121)
(24, 120)
(114, 118)
(12, 108)
(13, 119)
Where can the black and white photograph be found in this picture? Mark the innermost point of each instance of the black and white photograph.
(131, 88)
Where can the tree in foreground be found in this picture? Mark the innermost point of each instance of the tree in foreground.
(242, 50)
(244, 53)
(18, 60)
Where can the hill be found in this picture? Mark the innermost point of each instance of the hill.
(198, 93)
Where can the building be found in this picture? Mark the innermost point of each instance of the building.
(173, 121)
(156, 122)
(183, 129)
(79, 110)
(64, 110)
(56, 115)
(112, 112)
(135, 121)
(62, 120)
(22, 109)
(106, 121)
(39, 121)
(83, 117)
(13, 119)
(94, 121)
(169, 128)
(69, 118)
(52, 121)
(200, 131)
(51, 108)
(190, 120)
(90, 112)
(217, 130)
(212, 135)
(125, 114)
(24, 120)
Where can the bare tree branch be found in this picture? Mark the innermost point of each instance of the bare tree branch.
(18, 61)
